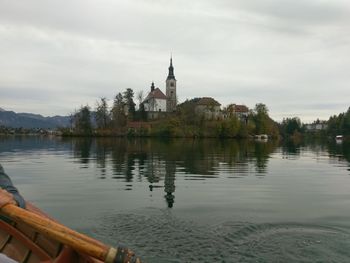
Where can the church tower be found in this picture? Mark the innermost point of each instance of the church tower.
(171, 89)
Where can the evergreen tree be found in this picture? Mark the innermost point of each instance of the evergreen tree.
(117, 112)
(82, 121)
(102, 114)
(128, 96)
(346, 123)
(291, 126)
(339, 124)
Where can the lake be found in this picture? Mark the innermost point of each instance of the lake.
(185, 200)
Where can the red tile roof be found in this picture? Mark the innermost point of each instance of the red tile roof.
(156, 94)
(241, 108)
(237, 108)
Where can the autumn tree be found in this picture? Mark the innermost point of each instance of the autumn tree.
(263, 123)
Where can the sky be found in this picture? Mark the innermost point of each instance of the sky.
(293, 56)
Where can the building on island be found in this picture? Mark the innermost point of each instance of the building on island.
(316, 126)
(155, 100)
(208, 107)
(157, 104)
(240, 111)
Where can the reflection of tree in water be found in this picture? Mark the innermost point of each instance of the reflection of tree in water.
(119, 149)
(130, 166)
(155, 160)
(81, 149)
(340, 150)
(235, 153)
(291, 148)
(262, 155)
(346, 151)
(101, 156)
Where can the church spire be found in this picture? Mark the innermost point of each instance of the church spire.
(171, 69)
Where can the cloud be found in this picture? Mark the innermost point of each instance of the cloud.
(286, 54)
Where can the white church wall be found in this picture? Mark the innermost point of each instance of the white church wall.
(155, 105)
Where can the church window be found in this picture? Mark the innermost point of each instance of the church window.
(171, 84)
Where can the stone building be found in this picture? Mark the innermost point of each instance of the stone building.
(208, 107)
(240, 111)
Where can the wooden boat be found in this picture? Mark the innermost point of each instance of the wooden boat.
(42, 239)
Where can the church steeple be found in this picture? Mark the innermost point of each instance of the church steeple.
(171, 88)
(171, 70)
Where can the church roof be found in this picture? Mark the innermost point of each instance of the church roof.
(207, 101)
(156, 94)
(171, 70)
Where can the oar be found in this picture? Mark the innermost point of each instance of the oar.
(69, 237)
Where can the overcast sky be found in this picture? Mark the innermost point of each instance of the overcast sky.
(292, 55)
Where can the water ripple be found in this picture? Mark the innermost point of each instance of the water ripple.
(162, 237)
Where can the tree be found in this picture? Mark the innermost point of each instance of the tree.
(261, 109)
(82, 121)
(229, 127)
(346, 123)
(142, 112)
(261, 118)
(128, 96)
(339, 124)
(263, 123)
(140, 97)
(186, 112)
(102, 114)
(117, 111)
(291, 126)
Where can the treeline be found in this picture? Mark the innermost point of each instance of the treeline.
(187, 124)
(104, 120)
(335, 125)
(120, 119)
(184, 122)
(339, 124)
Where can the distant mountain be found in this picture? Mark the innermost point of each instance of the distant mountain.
(29, 120)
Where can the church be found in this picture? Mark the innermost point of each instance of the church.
(156, 101)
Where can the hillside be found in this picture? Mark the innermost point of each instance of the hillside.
(29, 120)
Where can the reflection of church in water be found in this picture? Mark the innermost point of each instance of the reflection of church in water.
(169, 182)
(158, 168)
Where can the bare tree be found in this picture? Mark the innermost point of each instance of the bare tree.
(140, 97)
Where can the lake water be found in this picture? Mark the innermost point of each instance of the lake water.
(193, 200)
